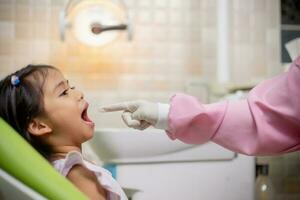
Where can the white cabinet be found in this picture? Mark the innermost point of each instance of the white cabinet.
(202, 180)
(171, 170)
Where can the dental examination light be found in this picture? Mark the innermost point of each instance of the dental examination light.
(95, 22)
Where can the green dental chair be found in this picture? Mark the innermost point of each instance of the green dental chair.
(25, 174)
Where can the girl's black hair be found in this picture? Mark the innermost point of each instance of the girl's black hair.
(21, 103)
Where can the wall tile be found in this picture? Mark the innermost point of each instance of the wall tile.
(7, 30)
(23, 31)
(145, 4)
(7, 63)
(23, 13)
(7, 11)
(160, 17)
(161, 3)
(6, 47)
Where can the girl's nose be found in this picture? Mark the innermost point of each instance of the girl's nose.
(78, 94)
(81, 95)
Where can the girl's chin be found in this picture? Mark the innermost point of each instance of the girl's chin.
(89, 134)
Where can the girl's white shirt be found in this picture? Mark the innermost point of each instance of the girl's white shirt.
(104, 177)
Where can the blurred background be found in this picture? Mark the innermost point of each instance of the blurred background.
(212, 49)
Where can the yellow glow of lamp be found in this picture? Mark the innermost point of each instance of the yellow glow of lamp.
(95, 22)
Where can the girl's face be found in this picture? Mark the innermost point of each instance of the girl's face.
(65, 112)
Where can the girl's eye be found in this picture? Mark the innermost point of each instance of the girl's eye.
(65, 92)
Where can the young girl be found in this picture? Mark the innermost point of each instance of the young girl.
(39, 104)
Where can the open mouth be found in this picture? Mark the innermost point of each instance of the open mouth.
(84, 115)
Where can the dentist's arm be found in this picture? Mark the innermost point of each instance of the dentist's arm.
(266, 123)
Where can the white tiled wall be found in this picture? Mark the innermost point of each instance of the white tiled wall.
(165, 51)
(174, 42)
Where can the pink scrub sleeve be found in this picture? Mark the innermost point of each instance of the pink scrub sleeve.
(266, 123)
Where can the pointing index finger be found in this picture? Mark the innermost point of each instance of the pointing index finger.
(114, 107)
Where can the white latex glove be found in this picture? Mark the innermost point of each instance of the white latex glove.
(139, 114)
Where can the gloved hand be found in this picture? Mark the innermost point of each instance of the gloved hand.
(138, 114)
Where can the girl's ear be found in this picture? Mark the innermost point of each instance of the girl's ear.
(38, 127)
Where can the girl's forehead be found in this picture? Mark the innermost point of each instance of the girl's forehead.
(54, 74)
(54, 77)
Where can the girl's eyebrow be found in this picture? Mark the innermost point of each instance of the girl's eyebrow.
(62, 83)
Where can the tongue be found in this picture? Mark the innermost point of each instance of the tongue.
(85, 116)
